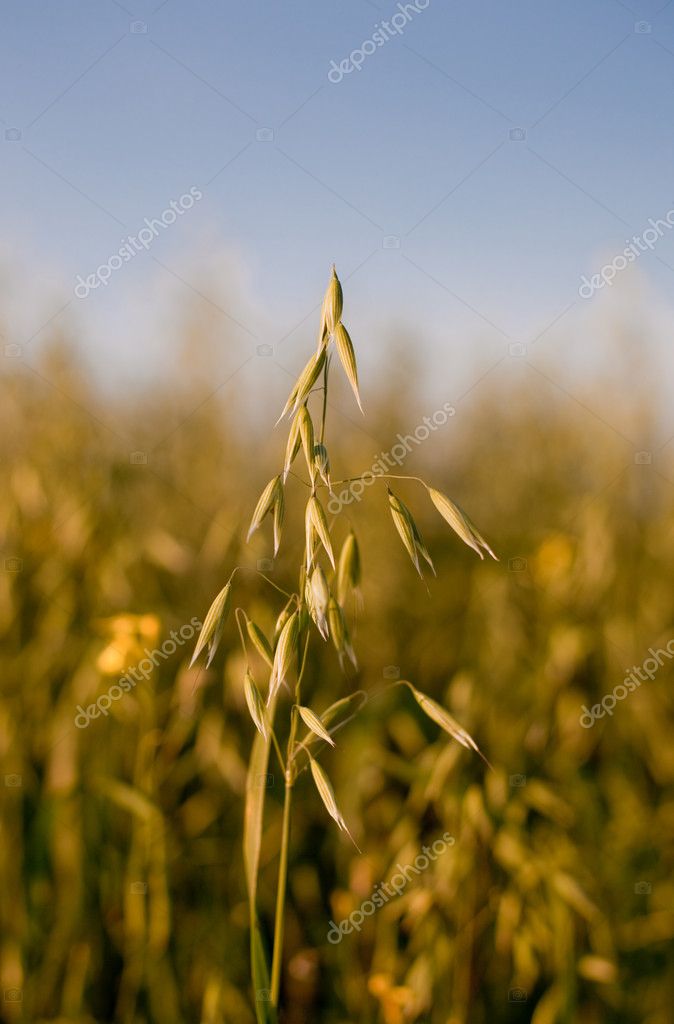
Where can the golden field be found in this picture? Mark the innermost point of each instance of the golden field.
(121, 870)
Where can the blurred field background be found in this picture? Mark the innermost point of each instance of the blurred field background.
(123, 897)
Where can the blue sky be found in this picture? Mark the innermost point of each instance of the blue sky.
(463, 179)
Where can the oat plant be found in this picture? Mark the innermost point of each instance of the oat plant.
(276, 666)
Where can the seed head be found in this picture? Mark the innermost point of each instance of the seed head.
(332, 308)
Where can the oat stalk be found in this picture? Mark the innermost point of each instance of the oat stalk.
(316, 611)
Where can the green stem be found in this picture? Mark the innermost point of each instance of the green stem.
(277, 749)
(290, 774)
(279, 923)
(281, 893)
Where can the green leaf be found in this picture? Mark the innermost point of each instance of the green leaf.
(265, 1010)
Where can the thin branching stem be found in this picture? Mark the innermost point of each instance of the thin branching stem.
(240, 611)
(247, 568)
(379, 476)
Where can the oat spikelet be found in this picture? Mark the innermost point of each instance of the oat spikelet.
(322, 464)
(316, 517)
(460, 523)
(326, 793)
(332, 308)
(307, 436)
(279, 512)
(293, 445)
(349, 570)
(265, 504)
(283, 617)
(340, 634)
(305, 383)
(347, 358)
(319, 600)
(314, 724)
(402, 521)
(421, 547)
(255, 704)
(284, 654)
(260, 642)
(443, 718)
(211, 631)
